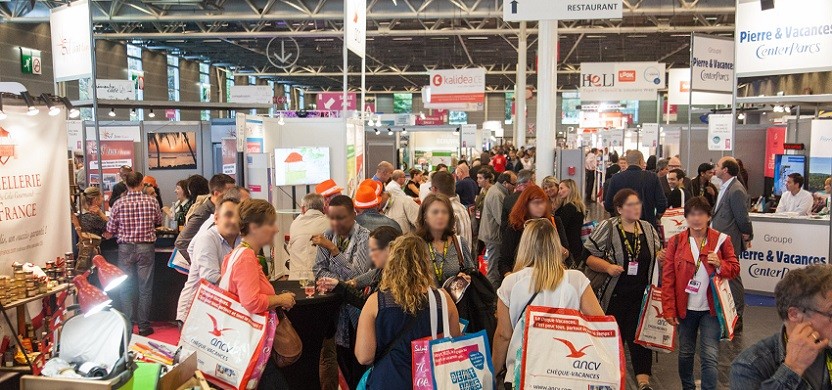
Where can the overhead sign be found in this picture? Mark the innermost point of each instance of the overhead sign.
(283, 52)
(115, 89)
(458, 86)
(821, 145)
(355, 22)
(30, 61)
(602, 81)
(712, 64)
(251, 94)
(334, 101)
(793, 37)
(70, 32)
(519, 10)
(650, 135)
(678, 90)
(720, 128)
(115, 133)
(468, 136)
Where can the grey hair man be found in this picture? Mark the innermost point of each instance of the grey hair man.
(310, 223)
(396, 184)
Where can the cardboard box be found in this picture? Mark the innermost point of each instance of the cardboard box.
(180, 373)
(31, 382)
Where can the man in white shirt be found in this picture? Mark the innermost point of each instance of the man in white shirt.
(590, 166)
(397, 180)
(311, 223)
(209, 248)
(402, 209)
(795, 199)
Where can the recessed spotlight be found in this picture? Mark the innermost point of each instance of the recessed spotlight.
(151, 114)
(112, 112)
(377, 132)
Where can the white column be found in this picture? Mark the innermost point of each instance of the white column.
(547, 87)
(520, 89)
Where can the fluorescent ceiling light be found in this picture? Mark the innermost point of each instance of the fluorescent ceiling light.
(478, 38)
(403, 39)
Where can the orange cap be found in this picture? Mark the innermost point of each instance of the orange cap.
(366, 197)
(328, 188)
(377, 186)
(150, 180)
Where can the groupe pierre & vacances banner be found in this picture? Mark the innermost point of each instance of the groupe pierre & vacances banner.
(34, 189)
(793, 37)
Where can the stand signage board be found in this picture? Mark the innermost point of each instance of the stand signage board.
(115, 89)
(720, 127)
(650, 135)
(604, 81)
(519, 10)
(70, 32)
(793, 37)
(678, 88)
(457, 85)
(469, 136)
(779, 247)
(355, 20)
(713, 64)
(115, 133)
(251, 94)
(334, 101)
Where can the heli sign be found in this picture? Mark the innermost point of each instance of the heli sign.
(794, 37)
(603, 81)
(457, 86)
(519, 10)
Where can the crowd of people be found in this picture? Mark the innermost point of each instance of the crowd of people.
(404, 236)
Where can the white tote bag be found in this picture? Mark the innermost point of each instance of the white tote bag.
(653, 330)
(565, 349)
(232, 345)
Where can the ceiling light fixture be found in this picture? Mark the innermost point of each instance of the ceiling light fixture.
(377, 132)
(378, 121)
(389, 131)
(73, 112)
(741, 116)
(30, 103)
(280, 120)
(112, 112)
(404, 130)
(151, 114)
(456, 131)
(53, 110)
(370, 121)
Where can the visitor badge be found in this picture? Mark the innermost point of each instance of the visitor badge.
(693, 287)
(632, 268)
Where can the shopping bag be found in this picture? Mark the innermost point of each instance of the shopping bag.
(587, 229)
(673, 222)
(462, 362)
(564, 349)
(653, 330)
(178, 262)
(232, 344)
(420, 349)
(726, 310)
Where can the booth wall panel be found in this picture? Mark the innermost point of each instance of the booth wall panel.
(166, 179)
(32, 36)
(380, 148)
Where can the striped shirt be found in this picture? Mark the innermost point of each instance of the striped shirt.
(134, 217)
(463, 225)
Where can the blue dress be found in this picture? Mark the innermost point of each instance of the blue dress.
(394, 370)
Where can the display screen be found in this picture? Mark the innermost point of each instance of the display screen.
(784, 165)
(301, 166)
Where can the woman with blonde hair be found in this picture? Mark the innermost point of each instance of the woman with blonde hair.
(540, 278)
(571, 211)
(399, 313)
(550, 187)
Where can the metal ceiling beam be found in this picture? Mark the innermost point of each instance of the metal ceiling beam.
(409, 33)
(376, 74)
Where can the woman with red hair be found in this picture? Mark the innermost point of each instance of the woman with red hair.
(532, 204)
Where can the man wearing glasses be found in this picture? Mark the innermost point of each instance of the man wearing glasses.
(799, 356)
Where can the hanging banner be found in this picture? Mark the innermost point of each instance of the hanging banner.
(34, 189)
(251, 94)
(533, 10)
(355, 22)
(469, 136)
(678, 88)
(114, 155)
(115, 89)
(650, 135)
(792, 37)
(457, 86)
(70, 32)
(605, 81)
(713, 64)
(775, 137)
(720, 127)
(334, 101)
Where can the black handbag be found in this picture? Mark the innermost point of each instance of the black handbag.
(478, 304)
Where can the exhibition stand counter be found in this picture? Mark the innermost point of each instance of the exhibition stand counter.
(782, 244)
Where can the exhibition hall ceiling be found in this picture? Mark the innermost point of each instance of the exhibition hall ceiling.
(406, 38)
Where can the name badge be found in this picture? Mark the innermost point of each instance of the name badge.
(693, 287)
(632, 268)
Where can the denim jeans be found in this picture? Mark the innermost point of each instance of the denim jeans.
(137, 261)
(707, 327)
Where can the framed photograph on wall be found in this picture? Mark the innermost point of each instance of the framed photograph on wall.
(175, 150)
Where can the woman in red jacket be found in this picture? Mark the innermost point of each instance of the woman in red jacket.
(691, 259)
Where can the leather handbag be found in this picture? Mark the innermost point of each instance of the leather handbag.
(287, 346)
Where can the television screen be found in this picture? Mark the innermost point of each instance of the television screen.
(301, 166)
(784, 165)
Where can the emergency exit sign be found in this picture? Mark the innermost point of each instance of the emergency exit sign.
(519, 10)
(30, 61)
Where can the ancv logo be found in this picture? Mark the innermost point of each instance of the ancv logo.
(579, 353)
(7, 146)
(215, 331)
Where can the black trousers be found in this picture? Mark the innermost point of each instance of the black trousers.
(590, 184)
(625, 308)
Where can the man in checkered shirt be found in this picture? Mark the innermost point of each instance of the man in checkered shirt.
(133, 220)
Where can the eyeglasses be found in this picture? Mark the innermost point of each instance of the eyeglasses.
(827, 315)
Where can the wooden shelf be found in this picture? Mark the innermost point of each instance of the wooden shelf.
(21, 302)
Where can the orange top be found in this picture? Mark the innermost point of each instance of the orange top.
(249, 282)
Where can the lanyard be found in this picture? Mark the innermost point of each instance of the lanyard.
(343, 244)
(632, 249)
(829, 364)
(438, 268)
(701, 248)
(245, 244)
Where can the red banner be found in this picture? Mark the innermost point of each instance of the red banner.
(775, 137)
